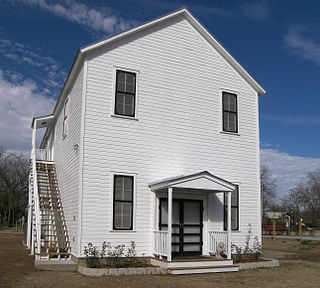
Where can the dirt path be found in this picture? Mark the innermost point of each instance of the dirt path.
(17, 270)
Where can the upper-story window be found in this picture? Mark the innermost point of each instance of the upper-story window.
(65, 118)
(123, 187)
(230, 112)
(125, 98)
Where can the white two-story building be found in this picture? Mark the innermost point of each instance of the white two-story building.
(154, 139)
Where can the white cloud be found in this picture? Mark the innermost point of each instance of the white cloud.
(292, 120)
(306, 48)
(256, 10)
(24, 54)
(98, 20)
(288, 170)
(20, 100)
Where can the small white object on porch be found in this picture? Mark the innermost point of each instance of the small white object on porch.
(203, 181)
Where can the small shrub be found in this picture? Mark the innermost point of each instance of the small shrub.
(240, 254)
(116, 254)
(257, 248)
(91, 255)
(132, 255)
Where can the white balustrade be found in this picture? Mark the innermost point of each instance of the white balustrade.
(160, 243)
(215, 237)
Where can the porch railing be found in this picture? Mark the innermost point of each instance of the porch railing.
(36, 237)
(160, 243)
(42, 154)
(214, 238)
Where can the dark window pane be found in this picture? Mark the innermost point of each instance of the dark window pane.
(123, 188)
(125, 93)
(234, 218)
(234, 210)
(229, 112)
(226, 102)
(130, 83)
(234, 198)
(123, 202)
(233, 103)
(123, 214)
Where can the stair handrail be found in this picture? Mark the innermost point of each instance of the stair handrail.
(35, 192)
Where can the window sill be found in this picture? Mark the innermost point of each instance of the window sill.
(124, 117)
(229, 133)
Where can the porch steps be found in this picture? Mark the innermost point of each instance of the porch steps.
(55, 243)
(197, 266)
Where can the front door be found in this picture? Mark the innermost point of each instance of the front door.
(186, 225)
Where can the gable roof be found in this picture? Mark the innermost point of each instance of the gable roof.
(194, 22)
(182, 12)
(200, 181)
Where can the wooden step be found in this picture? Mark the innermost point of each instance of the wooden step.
(56, 247)
(53, 235)
(58, 241)
(52, 253)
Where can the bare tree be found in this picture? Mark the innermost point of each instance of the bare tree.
(304, 199)
(293, 200)
(14, 171)
(268, 189)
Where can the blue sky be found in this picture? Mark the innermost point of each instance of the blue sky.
(278, 42)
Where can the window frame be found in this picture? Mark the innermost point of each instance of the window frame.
(129, 71)
(65, 117)
(223, 129)
(115, 175)
(225, 211)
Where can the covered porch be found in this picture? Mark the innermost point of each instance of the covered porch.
(182, 210)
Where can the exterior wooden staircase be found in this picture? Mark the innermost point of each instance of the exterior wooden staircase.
(54, 239)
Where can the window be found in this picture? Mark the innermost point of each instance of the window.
(230, 117)
(234, 210)
(125, 97)
(123, 202)
(65, 118)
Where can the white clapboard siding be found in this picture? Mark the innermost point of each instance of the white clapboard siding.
(177, 132)
(67, 159)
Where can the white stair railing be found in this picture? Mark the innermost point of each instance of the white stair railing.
(36, 202)
(160, 243)
(214, 238)
(36, 206)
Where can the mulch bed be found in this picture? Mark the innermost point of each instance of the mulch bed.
(251, 260)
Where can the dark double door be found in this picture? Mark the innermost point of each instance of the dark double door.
(186, 225)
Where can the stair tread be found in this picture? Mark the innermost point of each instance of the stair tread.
(53, 253)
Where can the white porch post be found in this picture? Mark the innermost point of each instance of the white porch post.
(30, 235)
(169, 223)
(229, 226)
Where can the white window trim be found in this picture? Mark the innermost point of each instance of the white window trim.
(112, 174)
(221, 90)
(65, 119)
(137, 72)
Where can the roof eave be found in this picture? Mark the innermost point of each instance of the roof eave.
(74, 68)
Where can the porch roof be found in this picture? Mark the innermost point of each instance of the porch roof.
(200, 181)
(42, 121)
